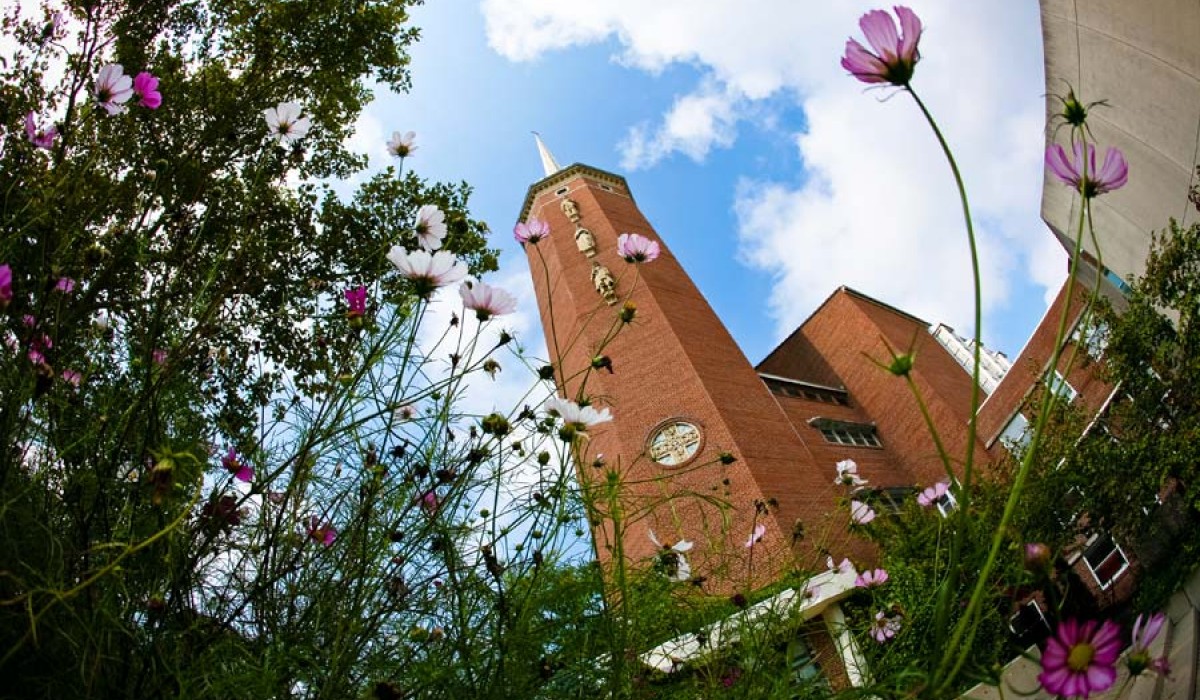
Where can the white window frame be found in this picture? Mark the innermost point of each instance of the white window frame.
(1016, 443)
(1037, 608)
(1104, 586)
(946, 504)
(1062, 388)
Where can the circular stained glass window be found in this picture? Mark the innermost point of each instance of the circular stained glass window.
(674, 443)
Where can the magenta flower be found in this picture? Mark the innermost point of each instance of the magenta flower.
(485, 300)
(531, 231)
(884, 627)
(896, 53)
(1145, 630)
(66, 285)
(429, 502)
(71, 377)
(113, 88)
(6, 292)
(159, 356)
(321, 532)
(39, 136)
(1081, 172)
(931, 495)
(871, 579)
(236, 466)
(356, 302)
(1081, 657)
(145, 86)
(636, 248)
(402, 146)
(861, 513)
(755, 537)
(430, 227)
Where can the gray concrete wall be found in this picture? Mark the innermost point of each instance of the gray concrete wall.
(1143, 58)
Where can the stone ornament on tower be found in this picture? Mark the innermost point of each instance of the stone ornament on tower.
(586, 241)
(571, 209)
(605, 283)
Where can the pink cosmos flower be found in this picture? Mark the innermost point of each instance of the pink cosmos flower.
(430, 227)
(1092, 182)
(321, 532)
(234, 465)
(847, 474)
(38, 136)
(356, 302)
(531, 231)
(402, 146)
(759, 531)
(861, 513)
(1145, 630)
(6, 292)
(1081, 657)
(871, 579)
(71, 377)
(426, 270)
(285, 123)
(113, 88)
(636, 248)
(38, 345)
(884, 627)
(845, 567)
(931, 495)
(66, 285)
(159, 356)
(896, 53)
(429, 502)
(146, 87)
(485, 300)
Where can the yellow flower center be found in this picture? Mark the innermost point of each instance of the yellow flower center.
(1080, 657)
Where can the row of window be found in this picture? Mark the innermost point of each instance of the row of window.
(852, 435)
(810, 393)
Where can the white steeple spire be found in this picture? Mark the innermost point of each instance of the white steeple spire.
(550, 165)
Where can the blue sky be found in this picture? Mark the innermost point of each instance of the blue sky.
(772, 175)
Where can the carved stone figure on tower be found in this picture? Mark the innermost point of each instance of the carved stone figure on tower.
(571, 209)
(586, 242)
(605, 283)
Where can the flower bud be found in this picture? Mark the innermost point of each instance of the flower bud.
(1037, 557)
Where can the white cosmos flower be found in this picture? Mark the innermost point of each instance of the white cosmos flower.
(430, 227)
(581, 417)
(402, 146)
(113, 88)
(426, 270)
(285, 123)
(675, 564)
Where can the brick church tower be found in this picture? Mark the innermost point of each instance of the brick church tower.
(681, 393)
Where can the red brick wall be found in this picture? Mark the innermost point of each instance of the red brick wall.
(1074, 364)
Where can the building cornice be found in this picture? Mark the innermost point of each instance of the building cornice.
(568, 173)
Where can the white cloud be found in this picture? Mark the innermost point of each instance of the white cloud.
(875, 207)
(695, 124)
